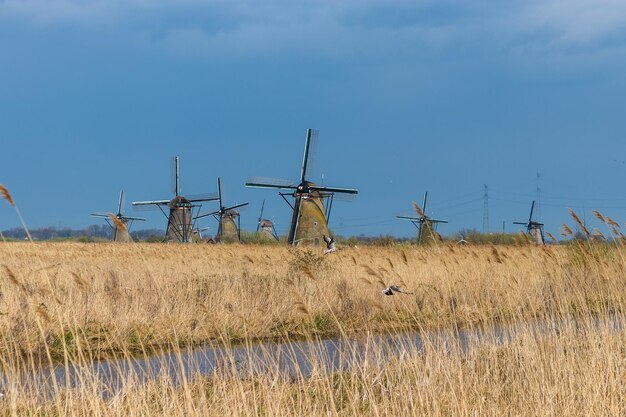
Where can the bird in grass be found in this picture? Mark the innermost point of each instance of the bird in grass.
(330, 245)
(390, 290)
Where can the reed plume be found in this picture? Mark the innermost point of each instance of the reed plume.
(81, 282)
(7, 196)
(404, 258)
(12, 277)
(599, 234)
(496, 254)
(612, 222)
(566, 231)
(417, 209)
(300, 306)
(42, 311)
(599, 216)
(579, 222)
(118, 223)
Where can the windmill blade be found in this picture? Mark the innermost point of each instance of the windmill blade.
(149, 208)
(339, 196)
(151, 203)
(532, 208)
(522, 223)
(334, 190)
(197, 198)
(139, 219)
(219, 191)
(99, 215)
(436, 221)
(260, 216)
(410, 218)
(263, 182)
(121, 203)
(425, 202)
(207, 215)
(227, 209)
(175, 175)
(310, 151)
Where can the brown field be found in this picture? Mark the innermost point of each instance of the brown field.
(71, 303)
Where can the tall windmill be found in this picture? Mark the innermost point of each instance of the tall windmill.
(119, 234)
(227, 217)
(533, 228)
(266, 226)
(309, 220)
(426, 226)
(179, 211)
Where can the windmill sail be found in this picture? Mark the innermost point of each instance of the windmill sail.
(309, 218)
(120, 223)
(228, 218)
(426, 226)
(533, 228)
(179, 211)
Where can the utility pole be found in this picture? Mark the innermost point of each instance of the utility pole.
(486, 211)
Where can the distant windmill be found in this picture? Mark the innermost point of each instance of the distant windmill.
(198, 232)
(180, 210)
(309, 220)
(119, 234)
(426, 226)
(533, 228)
(266, 226)
(227, 217)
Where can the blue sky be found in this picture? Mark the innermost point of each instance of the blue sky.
(408, 96)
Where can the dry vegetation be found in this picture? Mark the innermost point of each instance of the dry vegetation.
(75, 303)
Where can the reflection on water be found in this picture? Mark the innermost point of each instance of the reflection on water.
(299, 359)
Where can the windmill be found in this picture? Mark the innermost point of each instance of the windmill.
(426, 226)
(533, 228)
(266, 226)
(119, 234)
(227, 217)
(197, 233)
(309, 220)
(179, 211)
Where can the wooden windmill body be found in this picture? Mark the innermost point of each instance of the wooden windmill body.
(266, 226)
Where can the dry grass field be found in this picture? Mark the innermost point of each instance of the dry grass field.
(71, 304)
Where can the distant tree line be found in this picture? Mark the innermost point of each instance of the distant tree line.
(93, 232)
(102, 232)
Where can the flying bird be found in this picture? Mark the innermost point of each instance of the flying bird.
(330, 245)
(390, 290)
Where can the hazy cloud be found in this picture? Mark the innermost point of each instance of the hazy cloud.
(336, 28)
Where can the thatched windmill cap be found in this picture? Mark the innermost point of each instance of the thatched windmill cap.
(179, 201)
